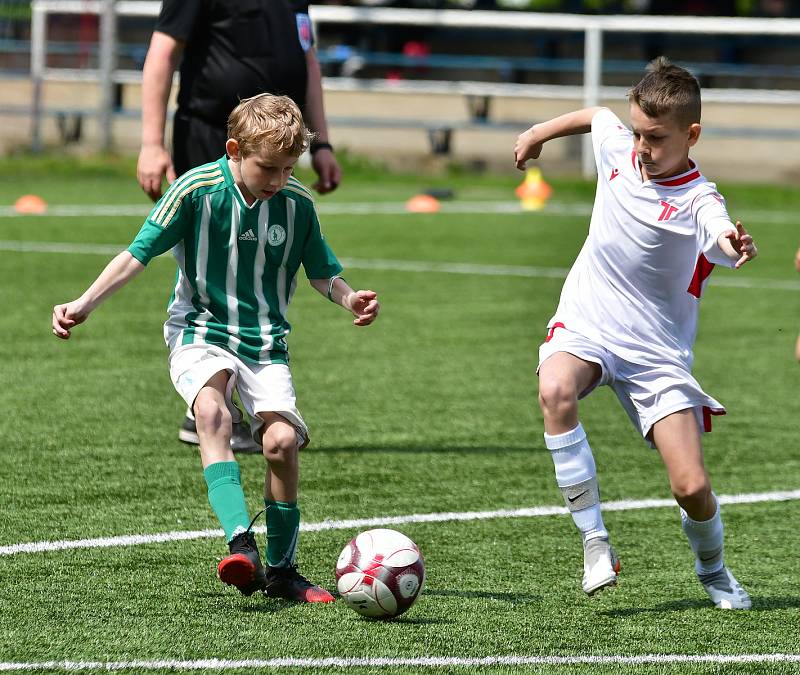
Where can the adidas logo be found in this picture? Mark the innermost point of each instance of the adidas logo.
(247, 236)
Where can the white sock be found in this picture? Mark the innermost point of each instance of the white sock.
(574, 464)
(705, 538)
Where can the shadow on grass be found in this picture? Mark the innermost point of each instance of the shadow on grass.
(262, 604)
(759, 605)
(269, 606)
(409, 621)
(513, 598)
(273, 605)
(422, 449)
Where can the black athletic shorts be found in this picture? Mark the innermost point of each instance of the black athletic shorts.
(196, 142)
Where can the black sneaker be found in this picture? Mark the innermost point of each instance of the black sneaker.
(241, 437)
(289, 584)
(243, 568)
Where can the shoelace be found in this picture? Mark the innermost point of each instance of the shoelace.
(248, 533)
(291, 572)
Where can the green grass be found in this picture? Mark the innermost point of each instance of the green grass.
(432, 409)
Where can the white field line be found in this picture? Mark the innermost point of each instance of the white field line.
(750, 218)
(362, 523)
(61, 247)
(419, 266)
(411, 662)
(539, 272)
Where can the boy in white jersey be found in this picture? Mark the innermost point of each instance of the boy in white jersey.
(628, 313)
(239, 229)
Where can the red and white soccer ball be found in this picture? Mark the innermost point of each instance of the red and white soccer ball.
(380, 573)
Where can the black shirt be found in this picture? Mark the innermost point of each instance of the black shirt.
(235, 49)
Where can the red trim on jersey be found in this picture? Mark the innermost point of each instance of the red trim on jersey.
(701, 272)
(552, 330)
(693, 174)
(688, 178)
(681, 180)
(707, 413)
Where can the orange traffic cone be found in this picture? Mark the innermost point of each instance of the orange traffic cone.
(30, 204)
(423, 204)
(533, 192)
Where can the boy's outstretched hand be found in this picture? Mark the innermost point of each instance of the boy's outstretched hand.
(527, 147)
(364, 305)
(66, 317)
(742, 243)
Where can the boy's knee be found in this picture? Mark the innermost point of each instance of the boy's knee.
(691, 489)
(557, 395)
(209, 414)
(279, 442)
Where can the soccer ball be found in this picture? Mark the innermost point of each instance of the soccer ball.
(380, 573)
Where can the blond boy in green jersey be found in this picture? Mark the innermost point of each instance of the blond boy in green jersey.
(240, 228)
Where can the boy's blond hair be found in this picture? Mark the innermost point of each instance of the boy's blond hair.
(271, 122)
(668, 89)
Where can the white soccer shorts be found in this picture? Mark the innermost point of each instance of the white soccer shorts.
(648, 393)
(261, 387)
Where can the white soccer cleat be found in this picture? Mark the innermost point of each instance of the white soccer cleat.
(723, 589)
(600, 566)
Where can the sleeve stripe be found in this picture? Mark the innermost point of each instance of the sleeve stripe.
(299, 188)
(189, 175)
(176, 203)
(178, 189)
(302, 193)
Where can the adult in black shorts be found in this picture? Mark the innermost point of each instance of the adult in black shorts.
(227, 51)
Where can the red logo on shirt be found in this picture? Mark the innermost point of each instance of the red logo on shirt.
(614, 174)
(668, 212)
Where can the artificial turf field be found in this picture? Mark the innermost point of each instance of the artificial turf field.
(432, 410)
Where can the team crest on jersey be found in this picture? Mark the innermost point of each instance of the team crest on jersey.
(276, 235)
(667, 210)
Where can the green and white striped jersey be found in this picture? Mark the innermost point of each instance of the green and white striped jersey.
(237, 264)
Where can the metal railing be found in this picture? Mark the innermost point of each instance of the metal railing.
(591, 92)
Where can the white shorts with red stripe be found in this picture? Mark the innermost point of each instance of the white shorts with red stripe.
(648, 393)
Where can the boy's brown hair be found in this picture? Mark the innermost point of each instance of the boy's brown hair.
(668, 89)
(267, 121)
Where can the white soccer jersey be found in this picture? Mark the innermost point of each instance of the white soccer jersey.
(635, 286)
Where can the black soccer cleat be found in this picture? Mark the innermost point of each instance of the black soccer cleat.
(243, 568)
(289, 584)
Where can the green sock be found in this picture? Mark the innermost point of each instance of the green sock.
(226, 497)
(283, 526)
